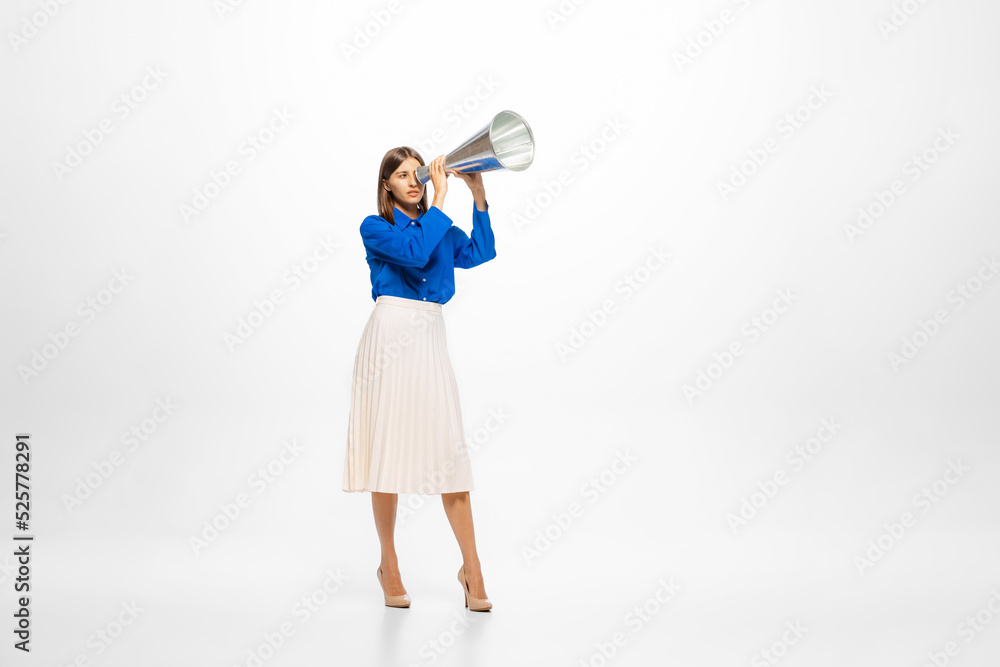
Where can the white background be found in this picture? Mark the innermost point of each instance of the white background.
(642, 141)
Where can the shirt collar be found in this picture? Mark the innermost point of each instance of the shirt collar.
(399, 214)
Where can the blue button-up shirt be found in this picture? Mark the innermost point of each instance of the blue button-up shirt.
(416, 259)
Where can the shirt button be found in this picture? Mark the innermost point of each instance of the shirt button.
(425, 279)
(411, 223)
(425, 298)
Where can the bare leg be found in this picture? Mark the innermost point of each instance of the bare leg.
(384, 507)
(458, 507)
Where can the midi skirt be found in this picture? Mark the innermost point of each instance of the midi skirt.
(405, 432)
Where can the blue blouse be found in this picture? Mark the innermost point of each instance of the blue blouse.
(416, 258)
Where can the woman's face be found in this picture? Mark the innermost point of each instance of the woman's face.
(403, 183)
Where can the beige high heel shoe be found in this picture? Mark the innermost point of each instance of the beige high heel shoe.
(392, 600)
(474, 604)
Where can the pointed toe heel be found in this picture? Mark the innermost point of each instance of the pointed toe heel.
(392, 600)
(474, 604)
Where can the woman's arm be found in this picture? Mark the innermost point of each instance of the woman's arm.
(411, 249)
(479, 196)
(475, 182)
(439, 179)
(482, 246)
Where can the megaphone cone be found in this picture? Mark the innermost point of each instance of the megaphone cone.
(505, 143)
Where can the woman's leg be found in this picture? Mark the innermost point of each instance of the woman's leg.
(458, 507)
(384, 507)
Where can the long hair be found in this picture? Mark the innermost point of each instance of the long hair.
(390, 162)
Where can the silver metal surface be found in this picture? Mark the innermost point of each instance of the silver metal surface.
(506, 142)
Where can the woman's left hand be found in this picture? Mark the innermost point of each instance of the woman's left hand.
(473, 180)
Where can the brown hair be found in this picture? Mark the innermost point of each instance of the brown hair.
(390, 162)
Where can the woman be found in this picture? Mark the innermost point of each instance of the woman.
(405, 432)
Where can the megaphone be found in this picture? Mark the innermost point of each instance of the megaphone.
(505, 143)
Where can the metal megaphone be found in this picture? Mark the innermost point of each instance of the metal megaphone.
(505, 143)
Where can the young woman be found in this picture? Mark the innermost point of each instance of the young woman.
(405, 432)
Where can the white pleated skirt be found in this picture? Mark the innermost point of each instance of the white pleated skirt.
(405, 431)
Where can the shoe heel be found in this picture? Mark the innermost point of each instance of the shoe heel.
(474, 604)
(402, 601)
(465, 596)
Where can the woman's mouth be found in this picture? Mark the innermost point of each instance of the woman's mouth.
(413, 192)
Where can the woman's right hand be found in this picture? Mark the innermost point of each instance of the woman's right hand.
(439, 178)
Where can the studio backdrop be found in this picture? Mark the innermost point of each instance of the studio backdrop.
(729, 386)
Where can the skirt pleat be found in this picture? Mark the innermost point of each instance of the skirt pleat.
(405, 432)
